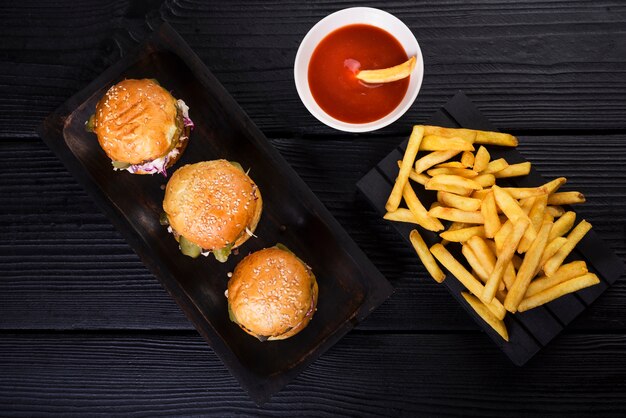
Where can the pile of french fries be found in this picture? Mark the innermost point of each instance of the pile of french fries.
(513, 239)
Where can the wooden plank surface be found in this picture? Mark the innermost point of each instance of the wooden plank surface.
(85, 328)
(176, 375)
(526, 64)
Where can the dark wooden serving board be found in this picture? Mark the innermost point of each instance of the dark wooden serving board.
(528, 331)
(350, 286)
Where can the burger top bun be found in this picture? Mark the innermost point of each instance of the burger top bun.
(272, 294)
(211, 203)
(136, 121)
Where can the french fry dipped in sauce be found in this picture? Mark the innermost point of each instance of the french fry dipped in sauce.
(387, 75)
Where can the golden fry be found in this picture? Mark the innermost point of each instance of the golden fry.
(449, 180)
(477, 268)
(555, 211)
(416, 177)
(504, 258)
(387, 75)
(573, 238)
(551, 249)
(402, 215)
(512, 210)
(465, 277)
(566, 198)
(432, 159)
(462, 172)
(407, 161)
(420, 212)
(501, 235)
(490, 215)
(442, 143)
(467, 159)
(514, 170)
(485, 180)
(452, 200)
(481, 160)
(565, 272)
(562, 225)
(466, 134)
(553, 186)
(527, 270)
(483, 311)
(485, 256)
(495, 165)
(451, 164)
(536, 215)
(495, 138)
(463, 234)
(524, 192)
(456, 215)
(548, 295)
(426, 257)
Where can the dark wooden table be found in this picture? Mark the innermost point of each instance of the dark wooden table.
(86, 329)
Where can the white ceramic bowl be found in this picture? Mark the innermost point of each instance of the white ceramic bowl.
(355, 15)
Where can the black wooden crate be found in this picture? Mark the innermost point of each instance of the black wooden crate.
(528, 331)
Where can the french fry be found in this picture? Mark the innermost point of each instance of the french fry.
(555, 211)
(451, 164)
(426, 257)
(514, 170)
(548, 295)
(387, 75)
(462, 172)
(485, 256)
(495, 138)
(551, 249)
(527, 270)
(485, 180)
(432, 159)
(508, 277)
(465, 277)
(456, 215)
(562, 225)
(553, 186)
(490, 215)
(466, 134)
(524, 192)
(449, 180)
(463, 234)
(536, 216)
(512, 210)
(566, 198)
(564, 273)
(454, 226)
(467, 159)
(402, 215)
(504, 258)
(442, 143)
(481, 160)
(495, 165)
(573, 238)
(477, 268)
(425, 220)
(501, 235)
(407, 161)
(452, 200)
(416, 177)
(483, 311)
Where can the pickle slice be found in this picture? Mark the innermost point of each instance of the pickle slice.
(222, 254)
(91, 123)
(236, 164)
(189, 248)
(120, 165)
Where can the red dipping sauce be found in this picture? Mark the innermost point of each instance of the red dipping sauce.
(335, 63)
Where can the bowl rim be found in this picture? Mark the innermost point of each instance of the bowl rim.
(345, 17)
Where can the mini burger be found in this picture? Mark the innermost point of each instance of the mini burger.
(272, 294)
(141, 127)
(211, 207)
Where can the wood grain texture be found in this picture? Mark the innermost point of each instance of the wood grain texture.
(83, 374)
(63, 266)
(526, 64)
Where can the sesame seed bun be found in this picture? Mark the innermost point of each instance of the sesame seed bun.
(272, 294)
(211, 203)
(138, 121)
